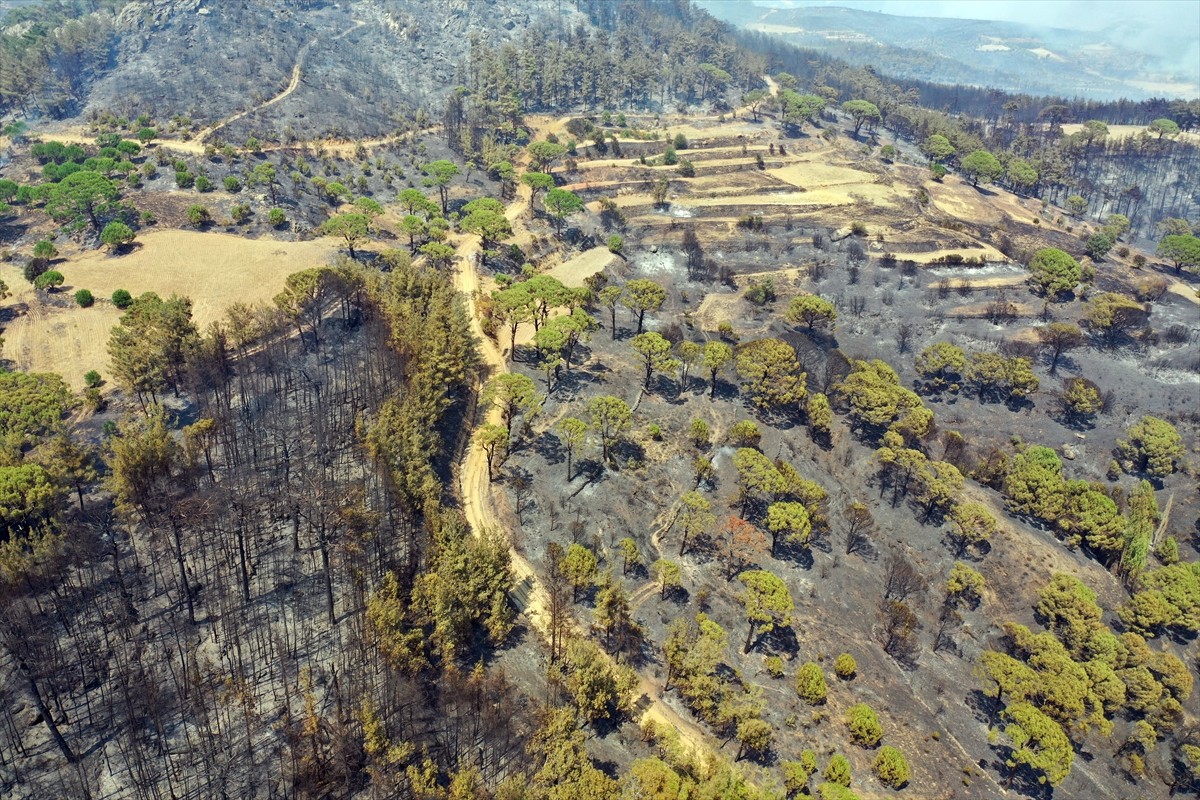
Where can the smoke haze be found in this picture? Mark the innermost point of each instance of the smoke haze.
(1169, 29)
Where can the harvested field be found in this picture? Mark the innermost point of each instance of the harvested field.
(574, 271)
(806, 173)
(215, 270)
(49, 338)
(982, 205)
(848, 195)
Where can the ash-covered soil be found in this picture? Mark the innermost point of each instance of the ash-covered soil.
(363, 66)
(889, 308)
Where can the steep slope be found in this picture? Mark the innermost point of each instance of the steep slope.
(353, 69)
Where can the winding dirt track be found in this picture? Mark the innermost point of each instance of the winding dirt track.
(475, 491)
(293, 85)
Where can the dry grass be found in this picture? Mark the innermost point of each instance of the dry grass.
(997, 282)
(574, 271)
(51, 339)
(79, 134)
(987, 251)
(959, 199)
(728, 129)
(717, 308)
(213, 269)
(1185, 291)
(807, 173)
(850, 194)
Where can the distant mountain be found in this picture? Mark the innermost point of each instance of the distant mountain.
(1002, 55)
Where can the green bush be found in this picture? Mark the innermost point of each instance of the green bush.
(276, 217)
(837, 771)
(203, 184)
(891, 767)
(48, 280)
(745, 434)
(232, 185)
(116, 235)
(1168, 551)
(198, 216)
(761, 292)
(845, 666)
(33, 268)
(84, 298)
(864, 725)
(92, 379)
(810, 684)
(122, 298)
(185, 179)
(835, 791)
(45, 250)
(1098, 245)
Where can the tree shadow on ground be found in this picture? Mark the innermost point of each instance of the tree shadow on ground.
(983, 708)
(778, 419)
(10, 313)
(592, 472)
(550, 447)
(678, 595)
(1022, 780)
(580, 355)
(725, 390)
(574, 381)
(781, 639)
(1065, 363)
(625, 450)
(797, 554)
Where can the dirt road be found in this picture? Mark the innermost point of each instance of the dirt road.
(475, 489)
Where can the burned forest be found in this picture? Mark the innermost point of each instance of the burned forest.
(581, 400)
